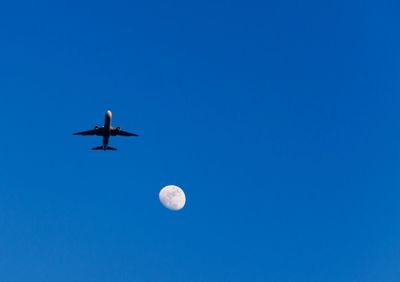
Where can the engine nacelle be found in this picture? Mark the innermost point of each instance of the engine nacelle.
(115, 131)
(96, 127)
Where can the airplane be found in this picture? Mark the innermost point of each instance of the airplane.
(106, 131)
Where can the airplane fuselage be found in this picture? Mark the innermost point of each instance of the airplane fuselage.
(107, 129)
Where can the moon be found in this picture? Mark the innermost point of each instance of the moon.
(172, 197)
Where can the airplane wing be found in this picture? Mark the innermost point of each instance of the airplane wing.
(125, 133)
(88, 132)
(118, 132)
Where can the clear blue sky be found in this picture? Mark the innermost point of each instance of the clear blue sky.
(279, 119)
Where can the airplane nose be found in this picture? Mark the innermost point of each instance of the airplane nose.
(108, 113)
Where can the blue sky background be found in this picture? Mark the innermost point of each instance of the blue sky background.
(279, 119)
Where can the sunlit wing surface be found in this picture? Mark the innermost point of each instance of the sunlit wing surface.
(87, 132)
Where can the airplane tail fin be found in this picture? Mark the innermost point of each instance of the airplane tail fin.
(106, 148)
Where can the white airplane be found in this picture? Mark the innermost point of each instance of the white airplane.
(106, 131)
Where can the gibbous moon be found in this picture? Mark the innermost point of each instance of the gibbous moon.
(172, 197)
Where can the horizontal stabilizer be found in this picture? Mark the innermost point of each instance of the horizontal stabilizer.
(105, 148)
